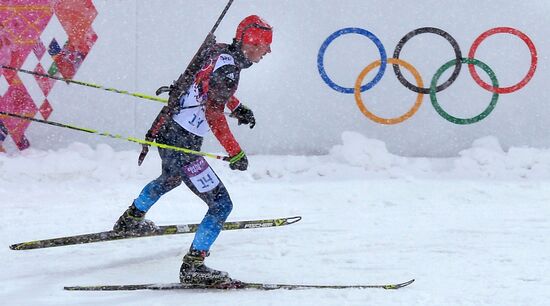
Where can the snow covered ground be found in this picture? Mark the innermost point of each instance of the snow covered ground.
(472, 230)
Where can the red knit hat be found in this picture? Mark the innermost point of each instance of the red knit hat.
(254, 30)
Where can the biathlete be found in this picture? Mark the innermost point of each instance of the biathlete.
(200, 110)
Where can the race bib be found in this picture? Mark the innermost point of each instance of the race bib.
(192, 117)
(201, 175)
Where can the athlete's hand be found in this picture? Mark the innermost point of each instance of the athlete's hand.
(238, 162)
(244, 115)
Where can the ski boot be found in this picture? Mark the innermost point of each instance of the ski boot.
(193, 271)
(133, 221)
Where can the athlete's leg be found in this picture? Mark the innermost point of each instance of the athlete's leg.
(133, 219)
(219, 207)
(204, 182)
(171, 177)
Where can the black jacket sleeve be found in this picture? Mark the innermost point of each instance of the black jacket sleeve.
(223, 83)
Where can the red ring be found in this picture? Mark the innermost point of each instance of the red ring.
(526, 79)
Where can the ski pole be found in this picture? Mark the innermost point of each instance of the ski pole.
(124, 92)
(138, 95)
(116, 136)
(133, 94)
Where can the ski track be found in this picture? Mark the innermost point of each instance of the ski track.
(467, 237)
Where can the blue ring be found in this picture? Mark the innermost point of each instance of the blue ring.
(333, 36)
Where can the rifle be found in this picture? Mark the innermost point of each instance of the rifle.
(181, 86)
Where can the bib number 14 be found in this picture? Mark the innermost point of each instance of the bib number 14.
(201, 175)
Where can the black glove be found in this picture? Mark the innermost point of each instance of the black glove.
(244, 115)
(238, 162)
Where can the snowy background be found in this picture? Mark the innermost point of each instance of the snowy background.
(146, 44)
(471, 229)
(462, 209)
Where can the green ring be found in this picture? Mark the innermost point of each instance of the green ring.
(446, 115)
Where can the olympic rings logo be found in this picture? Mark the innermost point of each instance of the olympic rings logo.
(434, 88)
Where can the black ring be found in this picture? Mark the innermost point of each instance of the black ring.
(436, 31)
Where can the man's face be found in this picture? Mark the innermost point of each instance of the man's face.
(255, 53)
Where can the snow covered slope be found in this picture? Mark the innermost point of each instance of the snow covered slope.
(472, 230)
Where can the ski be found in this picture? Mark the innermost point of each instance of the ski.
(162, 231)
(237, 285)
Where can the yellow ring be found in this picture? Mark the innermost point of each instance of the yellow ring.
(373, 117)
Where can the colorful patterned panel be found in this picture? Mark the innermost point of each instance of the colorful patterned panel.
(47, 36)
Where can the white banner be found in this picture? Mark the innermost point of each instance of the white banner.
(142, 45)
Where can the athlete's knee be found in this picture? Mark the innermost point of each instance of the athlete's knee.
(222, 206)
(173, 181)
(152, 192)
(164, 183)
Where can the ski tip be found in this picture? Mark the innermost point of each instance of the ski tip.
(401, 285)
(293, 220)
